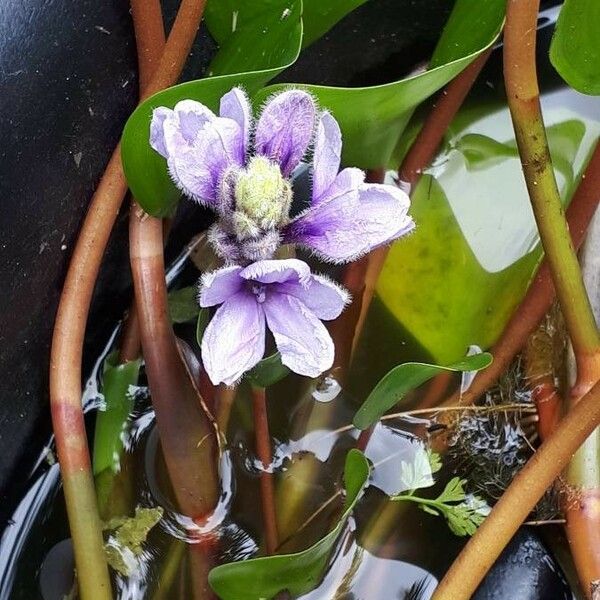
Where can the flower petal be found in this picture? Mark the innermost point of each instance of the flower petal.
(325, 298)
(343, 228)
(304, 343)
(235, 105)
(285, 128)
(191, 117)
(218, 286)
(234, 340)
(157, 134)
(277, 271)
(197, 167)
(327, 155)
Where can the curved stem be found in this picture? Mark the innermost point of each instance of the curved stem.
(467, 571)
(263, 450)
(69, 331)
(429, 138)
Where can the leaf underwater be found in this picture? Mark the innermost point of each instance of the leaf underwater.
(300, 572)
(259, 40)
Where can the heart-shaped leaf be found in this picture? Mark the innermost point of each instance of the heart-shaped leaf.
(404, 378)
(299, 572)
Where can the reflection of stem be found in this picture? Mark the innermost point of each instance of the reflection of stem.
(540, 294)
(263, 451)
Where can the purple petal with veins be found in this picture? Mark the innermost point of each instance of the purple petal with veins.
(302, 340)
(285, 129)
(345, 227)
(327, 156)
(234, 340)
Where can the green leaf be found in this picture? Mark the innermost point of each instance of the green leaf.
(249, 56)
(268, 371)
(111, 421)
(453, 492)
(263, 42)
(406, 377)
(299, 572)
(575, 50)
(373, 118)
(183, 304)
(202, 324)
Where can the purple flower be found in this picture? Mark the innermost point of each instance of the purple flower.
(282, 295)
(245, 178)
(242, 170)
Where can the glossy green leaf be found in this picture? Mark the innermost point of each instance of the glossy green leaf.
(373, 118)
(268, 371)
(249, 56)
(202, 324)
(265, 37)
(112, 420)
(299, 572)
(405, 378)
(183, 304)
(480, 239)
(575, 49)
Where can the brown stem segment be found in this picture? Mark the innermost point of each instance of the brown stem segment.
(69, 331)
(541, 292)
(187, 437)
(467, 571)
(263, 451)
(427, 142)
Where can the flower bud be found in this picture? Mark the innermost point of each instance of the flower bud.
(262, 194)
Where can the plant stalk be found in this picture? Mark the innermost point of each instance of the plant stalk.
(263, 451)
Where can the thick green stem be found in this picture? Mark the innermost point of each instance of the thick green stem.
(524, 103)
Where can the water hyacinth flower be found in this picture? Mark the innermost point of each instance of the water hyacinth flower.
(243, 170)
(281, 294)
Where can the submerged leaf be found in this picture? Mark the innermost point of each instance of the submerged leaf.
(299, 572)
(404, 378)
(124, 544)
(111, 419)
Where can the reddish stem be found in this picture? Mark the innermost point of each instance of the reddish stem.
(263, 451)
